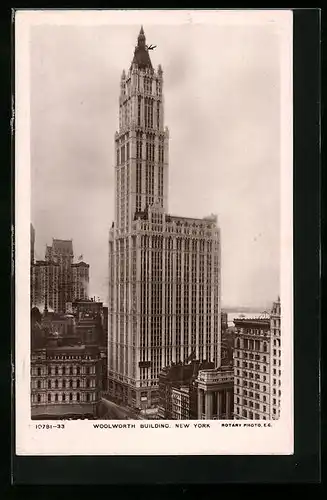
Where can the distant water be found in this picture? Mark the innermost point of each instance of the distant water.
(233, 315)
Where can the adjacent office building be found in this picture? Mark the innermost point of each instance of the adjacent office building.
(57, 280)
(164, 270)
(65, 381)
(275, 360)
(178, 390)
(257, 366)
(215, 391)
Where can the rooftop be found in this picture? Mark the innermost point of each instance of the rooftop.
(141, 54)
(45, 263)
(251, 321)
(80, 264)
(65, 246)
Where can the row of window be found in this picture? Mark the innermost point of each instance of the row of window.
(65, 370)
(250, 344)
(249, 414)
(63, 397)
(65, 383)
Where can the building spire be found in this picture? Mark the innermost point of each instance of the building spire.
(141, 54)
(141, 38)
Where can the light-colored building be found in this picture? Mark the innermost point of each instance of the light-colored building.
(81, 278)
(164, 270)
(215, 393)
(275, 362)
(257, 366)
(180, 403)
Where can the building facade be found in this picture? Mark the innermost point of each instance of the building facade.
(45, 278)
(164, 270)
(65, 381)
(257, 366)
(180, 403)
(178, 392)
(61, 253)
(215, 390)
(57, 281)
(81, 278)
(275, 362)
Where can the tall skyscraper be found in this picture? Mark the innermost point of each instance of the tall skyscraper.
(56, 281)
(45, 285)
(61, 252)
(164, 270)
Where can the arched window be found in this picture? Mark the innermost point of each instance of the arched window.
(87, 382)
(70, 396)
(71, 370)
(49, 398)
(38, 398)
(78, 396)
(264, 347)
(49, 384)
(70, 383)
(56, 370)
(87, 396)
(56, 397)
(78, 383)
(64, 383)
(63, 396)
(64, 370)
(39, 372)
(56, 384)
(78, 370)
(39, 384)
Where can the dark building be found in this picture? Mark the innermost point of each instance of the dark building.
(61, 252)
(224, 322)
(56, 281)
(91, 321)
(178, 390)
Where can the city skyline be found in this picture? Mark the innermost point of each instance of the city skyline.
(79, 134)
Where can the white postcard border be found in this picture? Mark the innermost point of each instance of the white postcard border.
(81, 437)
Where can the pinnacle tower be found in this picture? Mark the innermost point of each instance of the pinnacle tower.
(141, 142)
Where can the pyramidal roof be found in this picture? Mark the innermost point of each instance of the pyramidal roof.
(141, 53)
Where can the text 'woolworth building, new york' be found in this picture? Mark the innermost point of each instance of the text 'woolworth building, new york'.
(164, 270)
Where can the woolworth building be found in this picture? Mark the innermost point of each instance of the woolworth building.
(164, 270)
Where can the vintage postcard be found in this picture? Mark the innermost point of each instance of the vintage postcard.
(154, 282)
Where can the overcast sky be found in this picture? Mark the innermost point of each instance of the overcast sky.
(222, 108)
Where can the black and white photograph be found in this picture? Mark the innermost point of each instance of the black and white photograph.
(155, 166)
